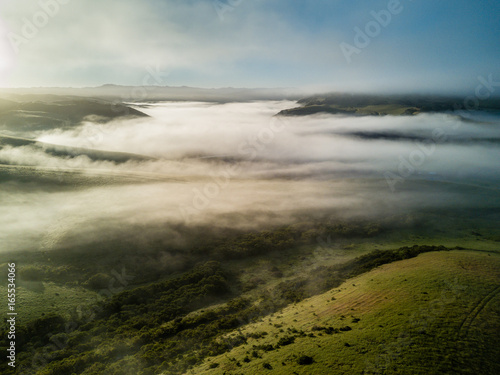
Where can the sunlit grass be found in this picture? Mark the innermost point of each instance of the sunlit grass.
(410, 313)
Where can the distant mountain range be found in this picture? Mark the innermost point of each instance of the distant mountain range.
(159, 93)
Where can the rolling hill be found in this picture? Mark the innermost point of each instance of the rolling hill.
(434, 314)
(379, 105)
(39, 112)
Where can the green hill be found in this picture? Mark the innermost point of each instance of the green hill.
(357, 104)
(430, 313)
(29, 113)
(435, 314)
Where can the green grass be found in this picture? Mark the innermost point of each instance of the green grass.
(146, 337)
(36, 299)
(387, 109)
(437, 313)
(379, 109)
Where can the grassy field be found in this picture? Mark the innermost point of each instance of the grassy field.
(36, 299)
(262, 272)
(414, 314)
(437, 313)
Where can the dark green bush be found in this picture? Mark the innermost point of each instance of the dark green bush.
(305, 360)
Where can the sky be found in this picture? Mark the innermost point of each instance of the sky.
(335, 45)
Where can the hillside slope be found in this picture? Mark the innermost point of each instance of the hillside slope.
(35, 113)
(375, 105)
(435, 314)
(23, 160)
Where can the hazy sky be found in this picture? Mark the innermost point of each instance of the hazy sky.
(414, 45)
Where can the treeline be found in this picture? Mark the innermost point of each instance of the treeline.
(153, 329)
(90, 267)
(324, 278)
(263, 242)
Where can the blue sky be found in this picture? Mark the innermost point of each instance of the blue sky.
(426, 46)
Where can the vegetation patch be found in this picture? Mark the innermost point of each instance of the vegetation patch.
(150, 328)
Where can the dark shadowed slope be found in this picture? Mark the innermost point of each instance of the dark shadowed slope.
(35, 113)
(71, 152)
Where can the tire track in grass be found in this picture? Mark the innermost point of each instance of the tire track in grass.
(463, 330)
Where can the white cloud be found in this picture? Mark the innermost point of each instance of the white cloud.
(90, 42)
(307, 167)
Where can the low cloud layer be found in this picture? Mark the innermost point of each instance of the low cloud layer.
(249, 132)
(238, 166)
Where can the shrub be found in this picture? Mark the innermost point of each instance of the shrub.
(31, 273)
(266, 348)
(98, 282)
(305, 360)
(286, 340)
